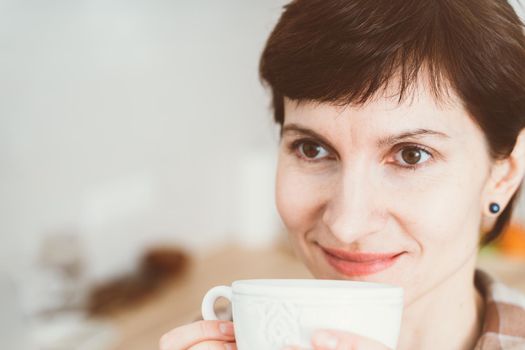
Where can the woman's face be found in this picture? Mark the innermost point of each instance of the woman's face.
(352, 183)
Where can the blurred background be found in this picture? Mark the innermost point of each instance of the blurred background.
(138, 157)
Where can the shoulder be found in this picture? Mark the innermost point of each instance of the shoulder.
(504, 321)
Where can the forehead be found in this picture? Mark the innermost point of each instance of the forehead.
(384, 115)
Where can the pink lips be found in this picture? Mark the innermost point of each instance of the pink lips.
(359, 263)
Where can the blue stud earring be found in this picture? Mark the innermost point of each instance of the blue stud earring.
(494, 208)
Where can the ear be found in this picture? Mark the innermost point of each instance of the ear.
(505, 177)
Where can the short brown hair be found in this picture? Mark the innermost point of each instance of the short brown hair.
(345, 51)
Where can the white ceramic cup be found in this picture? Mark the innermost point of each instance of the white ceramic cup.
(270, 314)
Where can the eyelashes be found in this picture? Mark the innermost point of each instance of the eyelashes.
(298, 150)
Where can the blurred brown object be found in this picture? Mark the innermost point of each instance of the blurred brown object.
(512, 242)
(157, 266)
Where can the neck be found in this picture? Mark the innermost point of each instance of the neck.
(450, 316)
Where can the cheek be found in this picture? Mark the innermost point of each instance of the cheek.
(297, 198)
(443, 214)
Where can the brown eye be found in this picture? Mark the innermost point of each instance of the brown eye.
(310, 149)
(411, 155)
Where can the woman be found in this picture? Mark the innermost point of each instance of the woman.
(402, 151)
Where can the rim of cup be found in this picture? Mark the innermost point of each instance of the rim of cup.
(316, 287)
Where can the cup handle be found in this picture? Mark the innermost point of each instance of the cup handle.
(208, 302)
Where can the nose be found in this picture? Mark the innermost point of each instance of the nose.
(354, 208)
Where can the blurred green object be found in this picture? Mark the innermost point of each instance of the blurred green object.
(489, 249)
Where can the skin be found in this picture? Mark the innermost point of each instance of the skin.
(355, 196)
(200, 335)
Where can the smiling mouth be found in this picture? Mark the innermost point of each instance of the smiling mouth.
(359, 263)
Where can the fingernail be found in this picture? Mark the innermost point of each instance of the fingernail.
(325, 340)
(226, 328)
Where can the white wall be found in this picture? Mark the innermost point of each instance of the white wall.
(128, 122)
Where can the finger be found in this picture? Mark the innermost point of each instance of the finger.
(188, 335)
(336, 340)
(214, 345)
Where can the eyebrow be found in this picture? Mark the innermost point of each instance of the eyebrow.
(382, 142)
